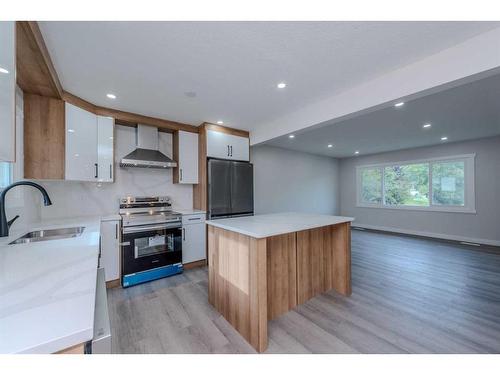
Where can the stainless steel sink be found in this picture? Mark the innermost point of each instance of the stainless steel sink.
(49, 234)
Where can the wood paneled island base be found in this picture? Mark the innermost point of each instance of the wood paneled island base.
(253, 280)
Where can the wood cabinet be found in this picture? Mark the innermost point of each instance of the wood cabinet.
(110, 249)
(186, 155)
(193, 238)
(89, 145)
(7, 91)
(227, 146)
(44, 138)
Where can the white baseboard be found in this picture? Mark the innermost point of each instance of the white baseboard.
(441, 236)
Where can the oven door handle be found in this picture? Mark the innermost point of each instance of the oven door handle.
(138, 229)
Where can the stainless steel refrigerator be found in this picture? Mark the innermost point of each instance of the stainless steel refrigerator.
(230, 188)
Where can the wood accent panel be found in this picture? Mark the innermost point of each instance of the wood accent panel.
(237, 285)
(323, 261)
(79, 102)
(341, 257)
(44, 137)
(225, 129)
(281, 274)
(77, 349)
(35, 72)
(113, 284)
(195, 264)
(200, 189)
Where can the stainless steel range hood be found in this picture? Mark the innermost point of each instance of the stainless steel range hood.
(146, 154)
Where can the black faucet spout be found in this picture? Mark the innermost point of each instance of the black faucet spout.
(4, 224)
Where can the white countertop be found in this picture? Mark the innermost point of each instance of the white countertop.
(188, 211)
(47, 289)
(261, 226)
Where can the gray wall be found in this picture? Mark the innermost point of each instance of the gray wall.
(484, 225)
(287, 181)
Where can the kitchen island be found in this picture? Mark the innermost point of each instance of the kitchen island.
(262, 266)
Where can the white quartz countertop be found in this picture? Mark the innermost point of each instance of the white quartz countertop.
(261, 226)
(47, 289)
(188, 211)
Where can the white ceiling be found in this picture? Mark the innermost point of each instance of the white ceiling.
(233, 67)
(465, 112)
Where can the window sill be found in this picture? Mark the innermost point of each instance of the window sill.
(462, 210)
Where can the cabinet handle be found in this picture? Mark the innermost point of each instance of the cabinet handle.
(180, 170)
(183, 234)
(231, 150)
(116, 231)
(95, 164)
(110, 171)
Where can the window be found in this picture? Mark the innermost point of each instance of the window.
(448, 183)
(441, 184)
(371, 185)
(406, 185)
(5, 174)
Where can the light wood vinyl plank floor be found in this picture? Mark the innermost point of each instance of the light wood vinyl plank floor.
(410, 295)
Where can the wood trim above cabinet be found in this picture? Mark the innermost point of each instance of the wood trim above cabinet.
(128, 118)
(44, 138)
(35, 73)
(225, 130)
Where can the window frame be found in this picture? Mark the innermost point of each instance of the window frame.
(469, 185)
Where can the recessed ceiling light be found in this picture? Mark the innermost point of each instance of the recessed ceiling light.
(77, 155)
(444, 138)
(4, 71)
(220, 122)
(356, 152)
(291, 136)
(426, 125)
(399, 104)
(111, 96)
(281, 85)
(71, 130)
(330, 146)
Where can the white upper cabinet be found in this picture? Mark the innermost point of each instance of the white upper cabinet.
(105, 155)
(81, 144)
(227, 146)
(89, 146)
(7, 91)
(187, 167)
(239, 148)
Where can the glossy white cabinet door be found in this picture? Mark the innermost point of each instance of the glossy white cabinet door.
(7, 91)
(239, 148)
(81, 144)
(188, 158)
(193, 242)
(227, 146)
(110, 249)
(217, 145)
(105, 142)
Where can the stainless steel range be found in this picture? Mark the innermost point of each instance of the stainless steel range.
(151, 239)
